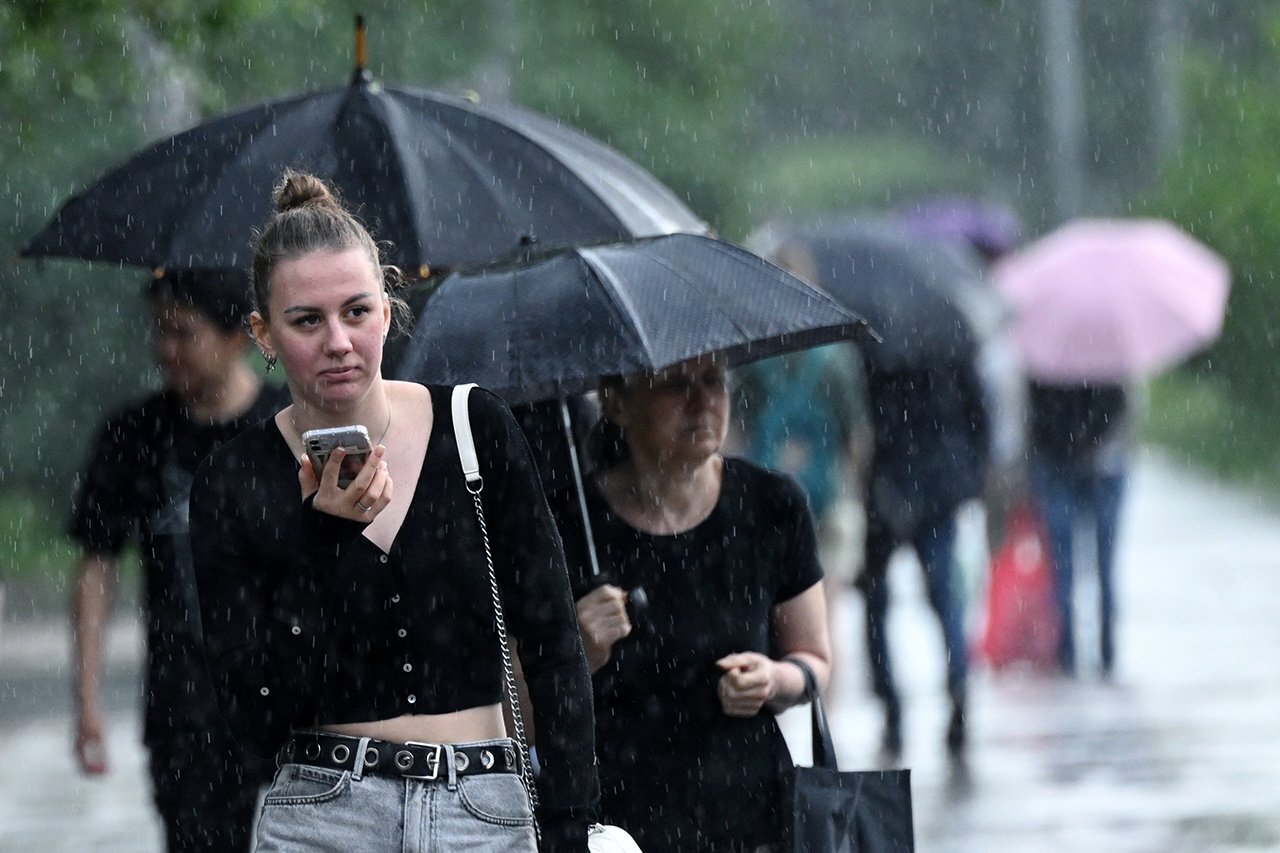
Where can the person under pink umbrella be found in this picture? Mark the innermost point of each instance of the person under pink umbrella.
(1099, 305)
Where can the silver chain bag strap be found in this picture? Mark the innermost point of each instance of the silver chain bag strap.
(600, 838)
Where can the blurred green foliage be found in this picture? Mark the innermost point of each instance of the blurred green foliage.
(1224, 187)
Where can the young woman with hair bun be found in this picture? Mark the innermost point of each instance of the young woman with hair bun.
(350, 630)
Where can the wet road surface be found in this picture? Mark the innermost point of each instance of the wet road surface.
(1180, 751)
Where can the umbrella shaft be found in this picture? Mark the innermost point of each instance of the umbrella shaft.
(579, 486)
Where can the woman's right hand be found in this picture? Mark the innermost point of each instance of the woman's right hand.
(363, 498)
(602, 621)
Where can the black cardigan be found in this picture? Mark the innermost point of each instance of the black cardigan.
(307, 622)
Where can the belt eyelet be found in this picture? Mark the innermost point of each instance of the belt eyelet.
(460, 761)
(312, 752)
(340, 753)
(371, 757)
(404, 759)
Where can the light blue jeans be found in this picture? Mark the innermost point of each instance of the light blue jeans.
(316, 809)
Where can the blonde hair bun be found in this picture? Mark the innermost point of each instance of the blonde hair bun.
(299, 189)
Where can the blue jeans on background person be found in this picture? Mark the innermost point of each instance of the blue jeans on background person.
(316, 808)
(1068, 497)
(934, 544)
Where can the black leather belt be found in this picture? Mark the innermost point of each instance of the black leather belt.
(428, 761)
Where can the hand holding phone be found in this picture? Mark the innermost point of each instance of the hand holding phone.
(354, 441)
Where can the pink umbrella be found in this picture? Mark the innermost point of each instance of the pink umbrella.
(1108, 299)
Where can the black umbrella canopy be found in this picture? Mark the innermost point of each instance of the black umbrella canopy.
(445, 180)
(928, 299)
(551, 324)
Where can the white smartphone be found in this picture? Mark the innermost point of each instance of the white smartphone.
(354, 439)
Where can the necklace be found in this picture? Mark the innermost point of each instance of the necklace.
(386, 428)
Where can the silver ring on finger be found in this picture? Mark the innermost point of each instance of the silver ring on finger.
(362, 507)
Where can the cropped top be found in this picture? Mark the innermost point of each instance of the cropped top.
(307, 622)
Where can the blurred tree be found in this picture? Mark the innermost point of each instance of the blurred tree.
(670, 83)
(1221, 185)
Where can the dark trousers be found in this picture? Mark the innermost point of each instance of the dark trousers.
(934, 544)
(206, 798)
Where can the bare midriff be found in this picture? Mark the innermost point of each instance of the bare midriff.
(481, 723)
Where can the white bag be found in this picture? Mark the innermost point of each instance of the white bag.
(610, 839)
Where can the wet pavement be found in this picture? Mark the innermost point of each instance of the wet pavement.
(1179, 751)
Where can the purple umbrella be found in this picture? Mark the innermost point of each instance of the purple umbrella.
(989, 227)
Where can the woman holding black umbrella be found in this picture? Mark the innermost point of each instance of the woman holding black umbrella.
(336, 618)
(691, 757)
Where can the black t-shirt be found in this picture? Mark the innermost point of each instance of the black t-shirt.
(307, 622)
(1070, 422)
(136, 484)
(674, 769)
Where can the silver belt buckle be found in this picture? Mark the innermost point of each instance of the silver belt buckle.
(433, 760)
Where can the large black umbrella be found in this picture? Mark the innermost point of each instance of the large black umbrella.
(927, 298)
(547, 325)
(446, 180)
(550, 324)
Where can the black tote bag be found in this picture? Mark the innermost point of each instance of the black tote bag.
(850, 811)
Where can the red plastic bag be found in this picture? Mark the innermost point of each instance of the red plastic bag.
(1021, 623)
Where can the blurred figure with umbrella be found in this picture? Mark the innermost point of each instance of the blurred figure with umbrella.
(1100, 305)
(929, 425)
(136, 485)
(992, 230)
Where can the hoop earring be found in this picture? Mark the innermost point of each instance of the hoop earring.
(271, 363)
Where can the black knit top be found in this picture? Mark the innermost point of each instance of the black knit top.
(307, 622)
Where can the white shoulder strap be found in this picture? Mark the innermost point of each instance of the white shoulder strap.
(471, 468)
(462, 431)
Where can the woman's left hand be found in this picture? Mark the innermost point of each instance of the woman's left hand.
(748, 682)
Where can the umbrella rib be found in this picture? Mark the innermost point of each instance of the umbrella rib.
(619, 298)
(693, 285)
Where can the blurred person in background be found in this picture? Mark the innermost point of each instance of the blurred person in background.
(691, 756)
(930, 454)
(1082, 441)
(136, 485)
(805, 414)
(990, 229)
